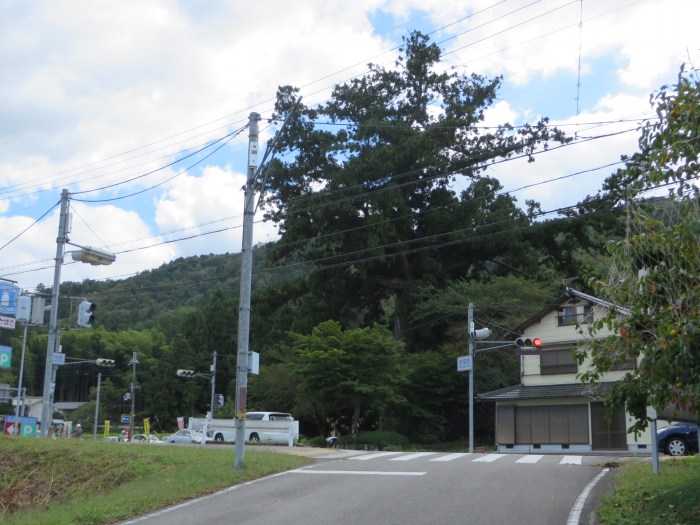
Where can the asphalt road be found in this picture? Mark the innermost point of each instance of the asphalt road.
(401, 489)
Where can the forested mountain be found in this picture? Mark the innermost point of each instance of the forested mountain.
(359, 309)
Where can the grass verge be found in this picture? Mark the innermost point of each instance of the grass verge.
(641, 498)
(62, 482)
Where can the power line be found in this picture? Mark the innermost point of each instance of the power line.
(471, 15)
(368, 193)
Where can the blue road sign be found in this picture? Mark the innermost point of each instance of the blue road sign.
(8, 298)
(464, 363)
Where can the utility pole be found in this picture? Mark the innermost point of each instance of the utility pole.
(20, 399)
(134, 361)
(97, 406)
(212, 369)
(53, 344)
(470, 324)
(246, 277)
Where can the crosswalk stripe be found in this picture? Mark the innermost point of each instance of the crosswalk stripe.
(374, 455)
(489, 458)
(571, 460)
(409, 457)
(450, 457)
(532, 458)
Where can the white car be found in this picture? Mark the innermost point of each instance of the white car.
(142, 438)
(185, 435)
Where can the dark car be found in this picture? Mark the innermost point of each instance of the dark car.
(678, 439)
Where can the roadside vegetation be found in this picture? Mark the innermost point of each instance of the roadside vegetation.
(640, 498)
(63, 482)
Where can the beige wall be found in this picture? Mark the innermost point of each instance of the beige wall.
(556, 337)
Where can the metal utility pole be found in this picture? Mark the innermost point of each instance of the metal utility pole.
(133, 363)
(246, 278)
(20, 399)
(212, 369)
(470, 324)
(54, 334)
(97, 405)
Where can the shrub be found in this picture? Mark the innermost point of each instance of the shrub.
(318, 441)
(378, 439)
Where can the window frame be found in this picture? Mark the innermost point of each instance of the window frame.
(565, 362)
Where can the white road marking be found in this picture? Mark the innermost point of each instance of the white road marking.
(450, 457)
(489, 458)
(409, 457)
(575, 512)
(571, 460)
(367, 457)
(530, 458)
(358, 472)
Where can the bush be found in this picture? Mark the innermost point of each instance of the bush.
(318, 441)
(376, 440)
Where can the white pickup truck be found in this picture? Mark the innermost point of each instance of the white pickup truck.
(260, 427)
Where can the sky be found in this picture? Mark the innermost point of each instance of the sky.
(102, 97)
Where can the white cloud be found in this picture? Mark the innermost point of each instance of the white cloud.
(194, 200)
(98, 95)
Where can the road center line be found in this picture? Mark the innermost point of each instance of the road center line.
(359, 472)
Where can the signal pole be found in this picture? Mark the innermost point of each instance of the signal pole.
(244, 299)
(212, 369)
(134, 361)
(54, 333)
(470, 324)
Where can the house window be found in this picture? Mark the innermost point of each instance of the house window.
(629, 364)
(557, 362)
(574, 313)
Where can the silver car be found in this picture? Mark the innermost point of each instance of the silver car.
(185, 435)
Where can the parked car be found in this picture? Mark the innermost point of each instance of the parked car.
(185, 435)
(142, 438)
(678, 439)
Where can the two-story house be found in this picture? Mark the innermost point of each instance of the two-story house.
(551, 410)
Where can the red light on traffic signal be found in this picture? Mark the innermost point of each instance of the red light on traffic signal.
(537, 342)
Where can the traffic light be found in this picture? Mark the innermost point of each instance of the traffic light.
(86, 313)
(220, 400)
(529, 346)
(186, 373)
(105, 362)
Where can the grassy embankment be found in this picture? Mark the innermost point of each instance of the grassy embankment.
(70, 481)
(83, 482)
(640, 498)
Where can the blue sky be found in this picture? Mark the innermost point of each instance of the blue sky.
(96, 94)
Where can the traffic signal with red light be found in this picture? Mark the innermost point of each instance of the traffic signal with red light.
(529, 346)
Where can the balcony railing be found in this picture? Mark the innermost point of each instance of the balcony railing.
(572, 319)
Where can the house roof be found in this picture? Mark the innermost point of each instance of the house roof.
(570, 295)
(520, 392)
(554, 305)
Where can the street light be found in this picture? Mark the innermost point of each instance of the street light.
(84, 254)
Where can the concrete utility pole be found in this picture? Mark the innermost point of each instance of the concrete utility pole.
(470, 324)
(53, 344)
(246, 278)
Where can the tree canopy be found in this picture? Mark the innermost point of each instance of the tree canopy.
(364, 191)
(655, 270)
